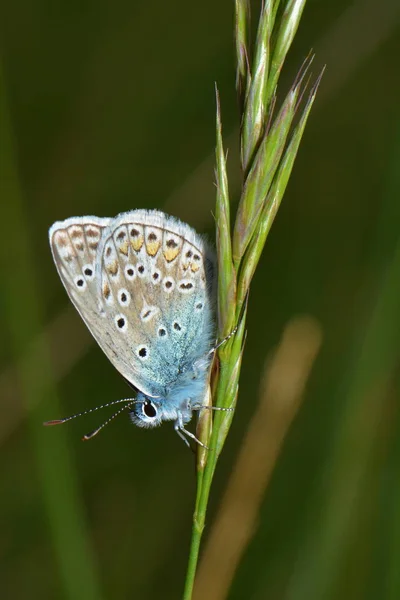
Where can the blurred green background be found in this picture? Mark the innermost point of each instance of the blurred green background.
(107, 107)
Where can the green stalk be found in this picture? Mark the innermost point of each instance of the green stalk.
(268, 150)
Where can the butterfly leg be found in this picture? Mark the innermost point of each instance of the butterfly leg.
(201, 406)
(179, 432)
(203, 363)
(191, 435)
(182, 432)
(222, 342)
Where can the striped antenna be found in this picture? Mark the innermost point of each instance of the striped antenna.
(129, 402)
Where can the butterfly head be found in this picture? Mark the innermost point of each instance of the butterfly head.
(150, 412)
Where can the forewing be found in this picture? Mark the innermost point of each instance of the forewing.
(155, 275)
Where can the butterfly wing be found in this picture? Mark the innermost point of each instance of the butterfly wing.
(155, 281)
(142, 286)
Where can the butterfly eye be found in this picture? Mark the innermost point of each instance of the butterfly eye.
(149, 410)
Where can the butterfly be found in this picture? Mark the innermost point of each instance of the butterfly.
(144, 284)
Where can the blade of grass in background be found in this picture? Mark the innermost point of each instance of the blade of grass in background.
(62, 504)
(351, 480)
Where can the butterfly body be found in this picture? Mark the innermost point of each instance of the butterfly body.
(143, 283)
(179, 397)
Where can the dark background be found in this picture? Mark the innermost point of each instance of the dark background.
(107, 107)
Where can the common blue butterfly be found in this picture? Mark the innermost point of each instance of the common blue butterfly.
(144, 282)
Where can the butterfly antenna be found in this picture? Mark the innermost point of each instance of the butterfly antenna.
(91, 435)
(129, 401)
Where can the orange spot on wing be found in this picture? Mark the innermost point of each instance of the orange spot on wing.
(170, 253)
(137, 242)
(124, 248)
(152, 247)
(112, 268)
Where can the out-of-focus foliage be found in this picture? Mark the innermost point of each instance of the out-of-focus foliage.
(108, 107)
